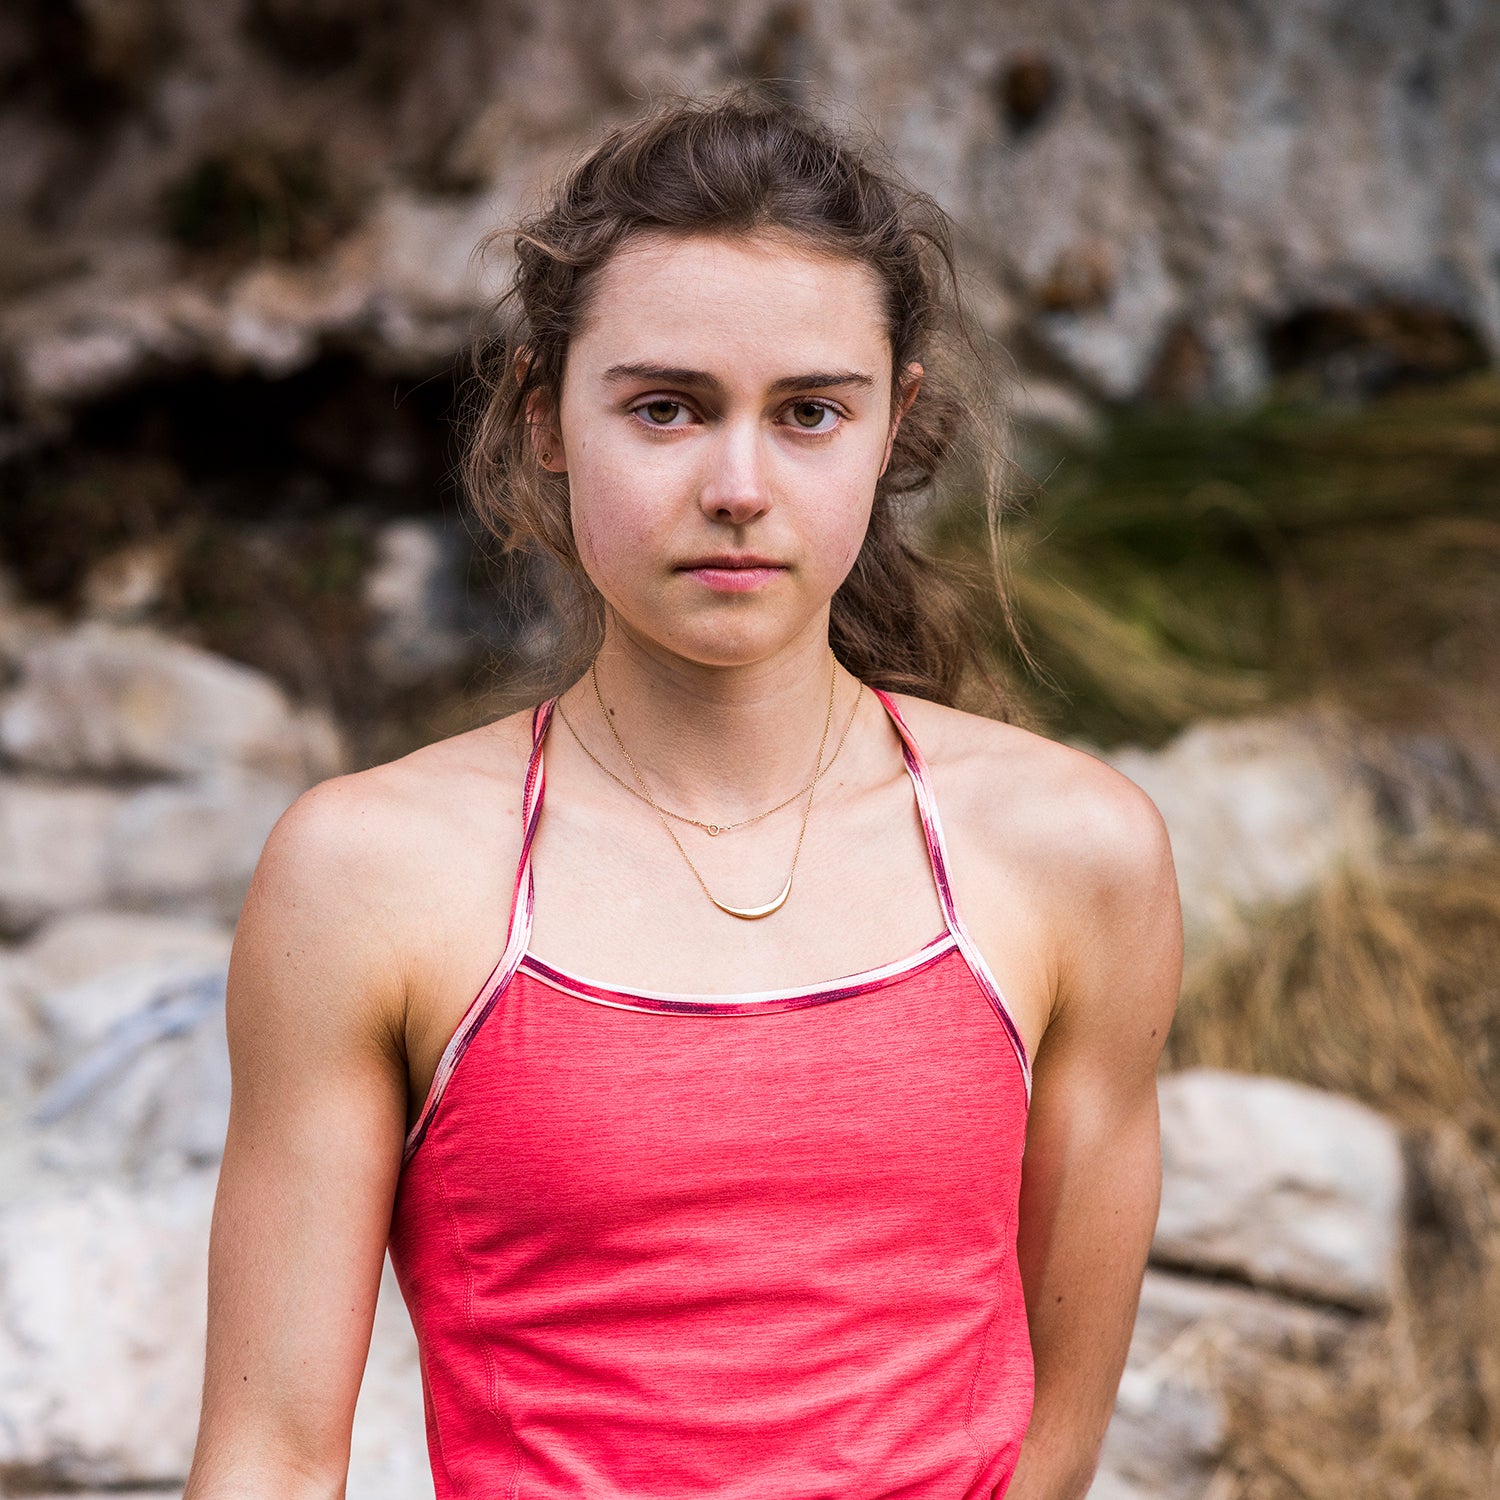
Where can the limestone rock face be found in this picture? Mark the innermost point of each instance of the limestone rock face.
(102, 1321)
(412, 594)
(1287, 1187)
(191, 846)
(1259, 811)
(107, 1041)
(128, 700)
(109, 1151)
(143, 773)
(102, 1314)
(1227, 1329)
(55, 841)
(183, 846)
(1147, 190)
(25, 1049)
(84, 947)
(1278, 1236)
(1194, 1340)
(151, 1093)
(1163, 1440)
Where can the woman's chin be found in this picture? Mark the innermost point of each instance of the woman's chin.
(719, 642)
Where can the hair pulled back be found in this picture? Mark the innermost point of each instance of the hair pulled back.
(739, 163)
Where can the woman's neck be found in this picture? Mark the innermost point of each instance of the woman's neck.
(715, 742)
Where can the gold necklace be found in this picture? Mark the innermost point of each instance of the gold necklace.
(713, 830)
(746, 913)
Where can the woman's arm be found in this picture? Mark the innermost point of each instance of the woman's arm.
(1091, 1182)
(317, 1117)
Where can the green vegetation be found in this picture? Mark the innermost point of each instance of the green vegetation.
(1193, 565)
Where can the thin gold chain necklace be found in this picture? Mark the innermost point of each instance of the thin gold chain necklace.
(713, 830)
(746, 913)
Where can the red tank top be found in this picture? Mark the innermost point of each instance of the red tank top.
(752, 1246)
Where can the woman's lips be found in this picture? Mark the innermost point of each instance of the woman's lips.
(735, 580)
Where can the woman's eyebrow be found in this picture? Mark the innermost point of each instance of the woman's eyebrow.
(823, 379)
(702, 380)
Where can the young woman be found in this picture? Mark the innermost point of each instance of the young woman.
(676, 1034)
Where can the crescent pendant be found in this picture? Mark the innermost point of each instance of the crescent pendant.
(750, 913)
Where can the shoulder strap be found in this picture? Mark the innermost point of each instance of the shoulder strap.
(932, 827)
(531, 812)
(518, 934)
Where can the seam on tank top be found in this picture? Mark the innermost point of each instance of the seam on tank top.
(437, 1426)
(490, 1366)
(984, 1348)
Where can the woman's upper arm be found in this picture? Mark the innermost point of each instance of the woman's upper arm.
(317, 1117)
(1092, 1175)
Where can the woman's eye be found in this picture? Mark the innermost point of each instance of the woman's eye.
(659, 413)
(808, 416)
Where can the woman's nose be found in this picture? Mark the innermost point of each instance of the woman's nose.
(736, 483)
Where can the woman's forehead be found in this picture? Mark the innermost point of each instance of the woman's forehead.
(690, 299)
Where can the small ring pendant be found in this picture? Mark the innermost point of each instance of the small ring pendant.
(713, 830)
(750, 913)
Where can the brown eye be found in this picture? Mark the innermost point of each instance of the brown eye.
(809, 413)
(660, 412)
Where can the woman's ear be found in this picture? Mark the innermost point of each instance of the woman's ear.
(911, 383)
(545, 435)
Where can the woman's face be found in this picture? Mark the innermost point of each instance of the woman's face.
(725, 414)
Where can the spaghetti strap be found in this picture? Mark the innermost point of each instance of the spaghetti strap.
(518, 932)
(932, 828)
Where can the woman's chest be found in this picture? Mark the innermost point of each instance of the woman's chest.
(572, 1110)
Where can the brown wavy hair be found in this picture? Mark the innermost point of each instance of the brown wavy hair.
(743, 163)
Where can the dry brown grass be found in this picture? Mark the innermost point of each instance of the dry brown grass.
(1385, 986)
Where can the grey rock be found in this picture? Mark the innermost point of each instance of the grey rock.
(1109, 1484)
(1230, 1330)
(1284, 1186)
(1164, 1439)
(80, 1016)
(1171, 170)
(192, 846)
(150, 1093)
(25, 1045)
(1259, 810)
(126, 699)
(187, 847)
(412, 593)
(103, 1294)
(77, 947)
(55, 840)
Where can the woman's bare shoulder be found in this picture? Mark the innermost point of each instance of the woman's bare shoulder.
(1004, 787)
(400, 809)
(1066, 869)
(363, 868)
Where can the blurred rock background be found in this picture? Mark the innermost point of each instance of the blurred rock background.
(1244, 265)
